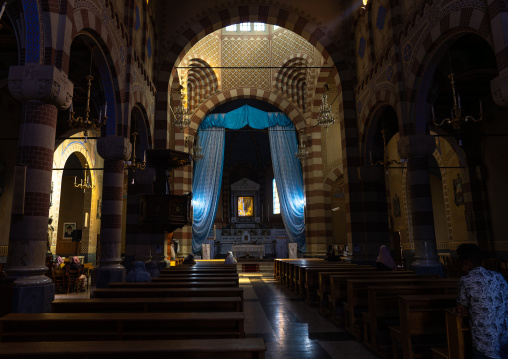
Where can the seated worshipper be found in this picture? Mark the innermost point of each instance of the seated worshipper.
(385, 261)
(59, 263)
(230, 259)
(151, 267)
(332, 254)
(189, 259)
(138, 274)
(76, 265)
(484, 294)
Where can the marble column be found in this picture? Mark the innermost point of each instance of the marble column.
(115, 150)
(417, 149)
(43, 90)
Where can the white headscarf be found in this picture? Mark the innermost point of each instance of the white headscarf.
(385, 257)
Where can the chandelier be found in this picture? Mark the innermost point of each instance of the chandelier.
(386, 162)
(133, 164)
(180, 113)
(83, 184)
(85, 121)
(326, 117)
(302, 152)
(195, 150)
(456, 119)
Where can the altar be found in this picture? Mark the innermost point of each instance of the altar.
(254, 250)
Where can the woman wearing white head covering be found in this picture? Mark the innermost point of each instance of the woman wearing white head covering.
(230, 259)
(385, 261)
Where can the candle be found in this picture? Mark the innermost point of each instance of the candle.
(433, 115)
(72, 106)
(74, 179)
(459, 100)
(100, 115)
(106, 109)
(144, 156)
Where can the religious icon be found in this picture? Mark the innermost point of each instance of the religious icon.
(396, 206)
(245, 206)
(67, 229)
(458, 191)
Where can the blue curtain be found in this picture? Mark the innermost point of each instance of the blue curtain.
(206, 185)
(289, 179)
(208, 171)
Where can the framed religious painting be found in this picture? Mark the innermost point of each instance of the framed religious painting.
(68, 227)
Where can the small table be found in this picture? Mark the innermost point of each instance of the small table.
(243, 249)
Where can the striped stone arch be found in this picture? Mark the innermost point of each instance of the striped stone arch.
(376, 100)
(289, 108)
(138, 98)
(90, 23)
(331, 179)
(75, 147)
(426, 53)
(196, 58)
(147, 129)
(296, 84)
(201, 83)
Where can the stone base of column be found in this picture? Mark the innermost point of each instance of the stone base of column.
(428, 267)
(33, 299)
(109, 274)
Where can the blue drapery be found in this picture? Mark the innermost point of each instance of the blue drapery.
(287, 170)
(289, 180)
(206, 185)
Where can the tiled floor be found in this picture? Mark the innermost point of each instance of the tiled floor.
(291, 328)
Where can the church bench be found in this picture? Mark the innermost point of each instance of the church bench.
(198, 275)
(285, 263)
(173, 284)
(309, 278)
(199, 270)
(458, 334)
(422, 324)
(293, 273)
(131, 305)
(323, 289)
(243, 348)
(167, 292)
(383, 308)
(279, 262)
(299, 278)
(357, 297)
(338, 290)
(196, 279)
(26, 327)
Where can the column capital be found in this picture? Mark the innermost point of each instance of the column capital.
(44, 83)
(416, 145)
(114, 148)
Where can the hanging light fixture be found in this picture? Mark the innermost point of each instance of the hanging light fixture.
(86, 121)
(302, 153)
(133, 164)
(326, 118)
(456, 118)
(195, 150)
(180, 113)
(86, 184)
(386, 162)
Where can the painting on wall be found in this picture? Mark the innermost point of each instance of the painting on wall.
(68, 227)
(457, 190)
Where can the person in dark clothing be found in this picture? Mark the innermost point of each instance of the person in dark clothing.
(385, 261)
(189, 259)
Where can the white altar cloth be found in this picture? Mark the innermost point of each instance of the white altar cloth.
(254, 250)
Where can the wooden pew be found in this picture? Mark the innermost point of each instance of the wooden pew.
(167, 292)
(285, 267)
(26, 327)
(357, 296)
(181, 270)
(293, 270)
(421, 316)
(299, 276)
(198, 275)
(458, 334)
(384, 308)
(244, 348)
(323, 289)
(173, 284)
(278, 265)
(338, 290)
(196, 279)
(148, 305)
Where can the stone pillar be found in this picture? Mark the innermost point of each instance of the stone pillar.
(115, 150)
(42, 90)
(375, 210)
(138, 239)
(417, 149)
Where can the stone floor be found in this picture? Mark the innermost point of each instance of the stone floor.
(291, 328)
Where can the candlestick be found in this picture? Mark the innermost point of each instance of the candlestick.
(100, 115)
(459, 100)
(144, 156)
(74, 179)
(433, 115)
(106, 109)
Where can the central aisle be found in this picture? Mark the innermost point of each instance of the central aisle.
(291, 328)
